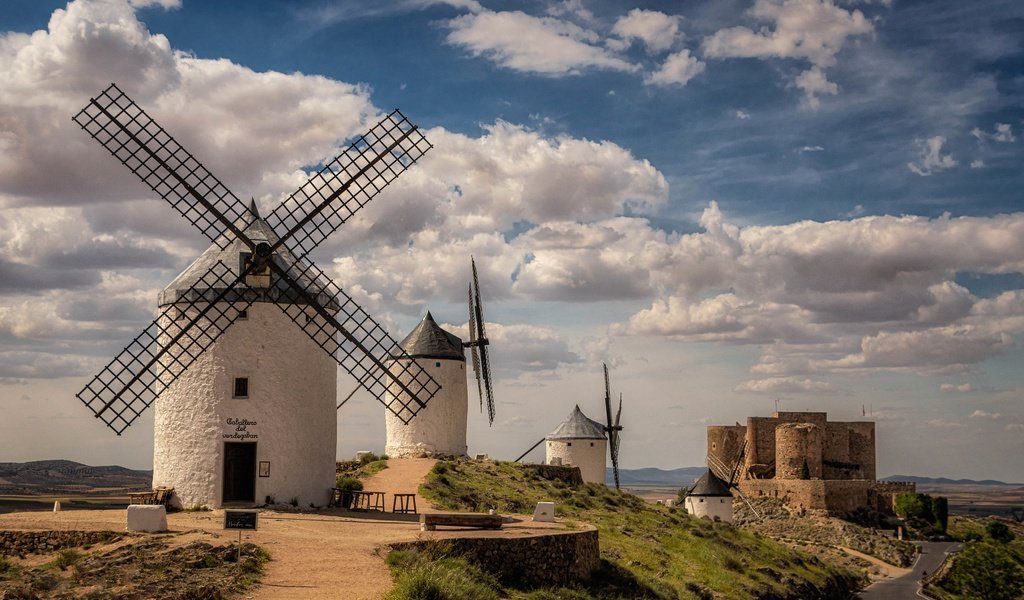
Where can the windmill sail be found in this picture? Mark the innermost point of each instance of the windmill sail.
(612, 428)
(478, 343)
(133, 380)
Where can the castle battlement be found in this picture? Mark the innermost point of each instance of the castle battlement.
(806, 460)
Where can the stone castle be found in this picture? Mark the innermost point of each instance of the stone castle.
(805, 460)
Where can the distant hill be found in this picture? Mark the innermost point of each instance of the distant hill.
(945, 480)
(651, 476)
(65, 476)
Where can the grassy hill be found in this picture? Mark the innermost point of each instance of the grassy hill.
(65, 476)
(647, 551)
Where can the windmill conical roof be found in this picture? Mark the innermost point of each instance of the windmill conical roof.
(577, 426)
(229, 249)
(428, 340)
(710, 484)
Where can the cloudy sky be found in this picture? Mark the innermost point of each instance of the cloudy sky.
(732, 203)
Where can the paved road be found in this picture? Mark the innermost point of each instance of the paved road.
(905, 587)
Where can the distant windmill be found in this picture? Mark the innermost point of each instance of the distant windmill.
(440, 430)
(477, 345)
(262, 383)
(579, 428)
(729, 474)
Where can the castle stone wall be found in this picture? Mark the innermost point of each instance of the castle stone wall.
(862, 447)
(796, 445)
(831, 496)
(760, 441)
(725, 441)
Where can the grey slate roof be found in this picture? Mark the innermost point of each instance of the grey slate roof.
(709, 484)
(578, 427)
(428, 340)
(228, 249)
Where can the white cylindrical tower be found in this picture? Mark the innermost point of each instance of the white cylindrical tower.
(439, 429)
(711, 498)
(579, 442)
(253, 418)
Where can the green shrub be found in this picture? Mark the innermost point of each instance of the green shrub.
(999, 532)
(348, 483)
(986, 570)
(5, 565)
(67, 558)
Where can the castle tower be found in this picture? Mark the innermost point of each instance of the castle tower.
(579, 442)
(440, 428)
(254, 416)
(711, 498)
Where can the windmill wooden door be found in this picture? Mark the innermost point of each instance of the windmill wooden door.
(239, 472)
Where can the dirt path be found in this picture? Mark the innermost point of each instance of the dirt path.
(886, 569)
(403, 476)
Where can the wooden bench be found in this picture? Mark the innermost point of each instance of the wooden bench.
(404, 504)
(368, 501)
(161, 495)
(430, 521)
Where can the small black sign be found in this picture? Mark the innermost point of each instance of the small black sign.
(240, 519)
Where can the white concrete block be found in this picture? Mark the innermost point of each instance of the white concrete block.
(361, 453)
(544, 512)
(56, 506)
(670, 502)
(481, 457)
(145, 517)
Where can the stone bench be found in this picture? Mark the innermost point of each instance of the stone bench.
(430, 521)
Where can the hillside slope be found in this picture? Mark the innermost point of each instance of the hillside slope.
(62, 476)
(660, 552)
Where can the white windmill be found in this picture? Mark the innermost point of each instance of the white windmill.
(241, 359)
(440, 429)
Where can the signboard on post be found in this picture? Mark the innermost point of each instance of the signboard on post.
(241, 519)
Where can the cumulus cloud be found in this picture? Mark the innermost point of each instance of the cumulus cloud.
(871, 293)
(962, 388)
(656, 30)
(1002, 132)
(82, 270)
(786, 385)
(810, 30)
(542, 45)
(678, 69)
(930, 157)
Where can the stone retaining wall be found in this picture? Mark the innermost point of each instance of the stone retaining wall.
(558, 559)
(20, 543)
(566, 474)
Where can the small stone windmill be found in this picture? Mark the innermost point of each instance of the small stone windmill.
(241, 359)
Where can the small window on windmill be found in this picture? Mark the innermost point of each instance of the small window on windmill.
(568, 443)
(243, 314)
(260, 278)
(591, 444)
(437, 364)
(241, 387)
